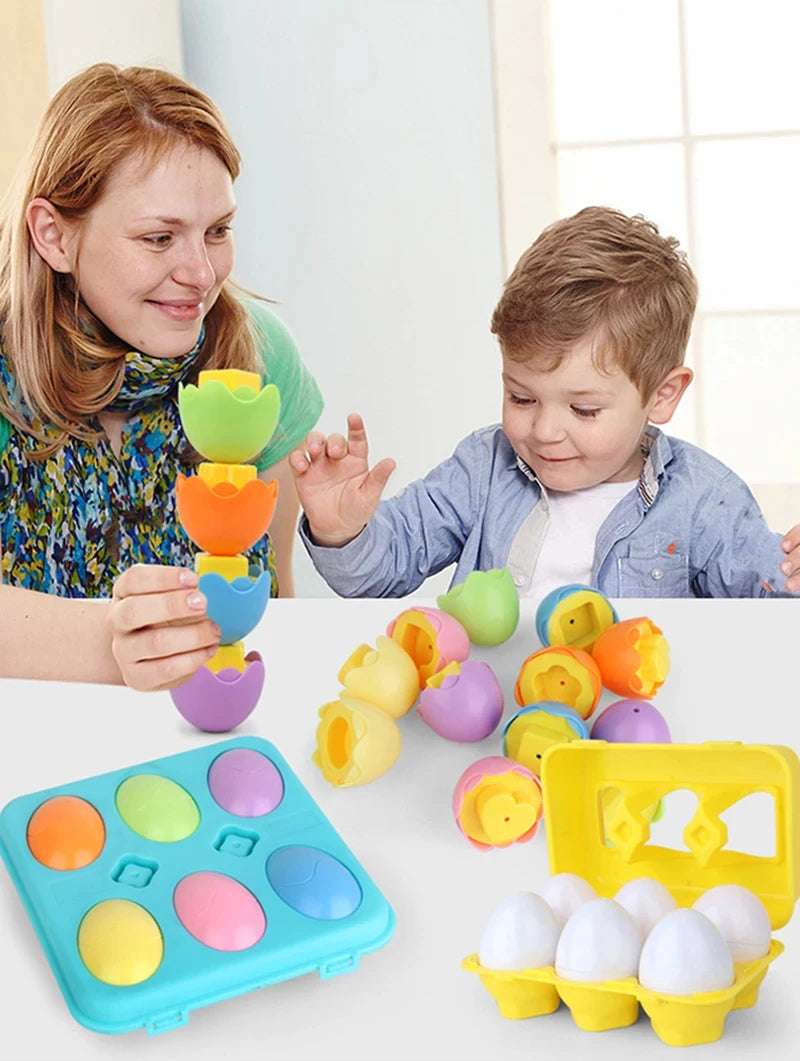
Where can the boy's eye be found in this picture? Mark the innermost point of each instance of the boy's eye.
(517, 399)
(579, 411)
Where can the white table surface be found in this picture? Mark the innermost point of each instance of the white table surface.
(733, 677)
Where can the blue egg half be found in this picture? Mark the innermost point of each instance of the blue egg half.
(313, 883)
(236, 607)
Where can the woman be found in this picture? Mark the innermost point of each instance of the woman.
(115, 257)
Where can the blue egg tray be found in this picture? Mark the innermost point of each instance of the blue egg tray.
(287, 859)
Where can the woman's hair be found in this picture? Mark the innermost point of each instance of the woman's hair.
(603, 275)
(67, 364)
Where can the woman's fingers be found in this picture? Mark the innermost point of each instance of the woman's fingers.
(153, 578)
(154, 609)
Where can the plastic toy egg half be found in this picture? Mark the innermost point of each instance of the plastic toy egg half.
(521, 933)
(685, 955)
(574, 615)
(567, 675)
(497, 802)
(225, 520)
(486, 604)
(431, 637)
(534, 729)
(631, 722)
(218, 701)
(228, 426)
(462, 702)
(741, 918)
(633, 658)
(647, 901)
(357, 742)
(564, 893)
(238, 606)
(385, 676)
(599, 942)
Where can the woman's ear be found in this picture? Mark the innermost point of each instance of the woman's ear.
(51, 235)
(666, 396)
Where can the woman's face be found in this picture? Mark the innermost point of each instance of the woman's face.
(152, 254)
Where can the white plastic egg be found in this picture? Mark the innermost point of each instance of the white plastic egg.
(647, 901)
(685, 955)
(741, 917)
(599, 942)
(565, 892)
(521, 933)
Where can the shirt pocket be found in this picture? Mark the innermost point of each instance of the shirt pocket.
(651, 570)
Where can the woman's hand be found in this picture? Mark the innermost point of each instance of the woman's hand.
(337, 490)
(160, 633)
(791, 565)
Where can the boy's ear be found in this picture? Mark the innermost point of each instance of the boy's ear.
(51, 234)
(666, 396)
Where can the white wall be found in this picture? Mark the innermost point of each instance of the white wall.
(368, 205)
(126, 32)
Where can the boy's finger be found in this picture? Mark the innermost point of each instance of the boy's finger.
(298, 462)
(336, 446)
(315, 444)
(357, 436)
(379, 476)
(153, 578)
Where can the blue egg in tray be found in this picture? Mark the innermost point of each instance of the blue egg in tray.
(184, 881)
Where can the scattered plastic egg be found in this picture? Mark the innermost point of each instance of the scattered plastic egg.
(567, 675)
(574, 615)
(463, 701)
(741, 918)
(486, 604)
(631, 722)
(633, 658)
(521, 933)
(564, 893)
(431, 637)
(599, 942)
(647, 901)
(685, 955)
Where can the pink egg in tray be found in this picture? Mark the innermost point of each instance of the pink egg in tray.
(219, 701)
(139, 880)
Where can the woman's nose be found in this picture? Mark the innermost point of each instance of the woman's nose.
(194, 268)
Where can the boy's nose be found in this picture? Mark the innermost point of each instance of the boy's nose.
(547, 427)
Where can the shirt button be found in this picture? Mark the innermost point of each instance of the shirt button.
(519, 581)
(657, 573)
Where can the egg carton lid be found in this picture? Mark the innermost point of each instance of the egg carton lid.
(599, 800)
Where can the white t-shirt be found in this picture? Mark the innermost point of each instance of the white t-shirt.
(567, 551)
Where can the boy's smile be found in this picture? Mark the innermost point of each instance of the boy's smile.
(575, 426)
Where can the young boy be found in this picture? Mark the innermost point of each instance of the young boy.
(578, 484)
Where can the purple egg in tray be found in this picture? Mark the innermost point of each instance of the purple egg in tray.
(176, 883)
(218, 702)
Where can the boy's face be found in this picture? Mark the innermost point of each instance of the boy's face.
(574, 426)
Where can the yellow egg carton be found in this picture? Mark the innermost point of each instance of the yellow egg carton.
(607, 842)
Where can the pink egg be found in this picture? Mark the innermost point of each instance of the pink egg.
(219, 911)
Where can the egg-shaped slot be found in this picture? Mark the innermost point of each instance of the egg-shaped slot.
(66, 833)
(120, 942)
(218, 911)
(245, 782)
(157, 808)
(313, 883)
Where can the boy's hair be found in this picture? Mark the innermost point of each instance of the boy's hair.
(67, 364)
(600, 273)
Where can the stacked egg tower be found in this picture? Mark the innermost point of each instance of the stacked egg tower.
(225, 509)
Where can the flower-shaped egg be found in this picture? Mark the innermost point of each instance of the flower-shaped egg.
(534, 729)
(574, 615)
(385, 676)
(216, 701)
(463, 701)
(568, 675)
(224, 519)
(357, 742)
(236, 607)
(633, 657)
(497, 802)
(431, 637)
(226, 417)
(486, 604)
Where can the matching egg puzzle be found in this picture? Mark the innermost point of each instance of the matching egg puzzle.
(176, 883)
(627, 922)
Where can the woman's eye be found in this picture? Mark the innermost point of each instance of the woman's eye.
(162, 239)
(219, 231)
(584, 412)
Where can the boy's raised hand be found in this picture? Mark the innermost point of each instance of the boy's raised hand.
(791, 565)
(337, 490)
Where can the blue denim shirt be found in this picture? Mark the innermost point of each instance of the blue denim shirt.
(689, 528)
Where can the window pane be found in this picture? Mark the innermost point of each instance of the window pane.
(645, 180)
(749, 395)
(616, 71)
(743, 74)
(747, 223)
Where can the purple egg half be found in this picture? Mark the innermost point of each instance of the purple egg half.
(467, 707)
(631, 722)
(218, 702)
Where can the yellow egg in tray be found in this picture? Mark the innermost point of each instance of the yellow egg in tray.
(628, 922)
